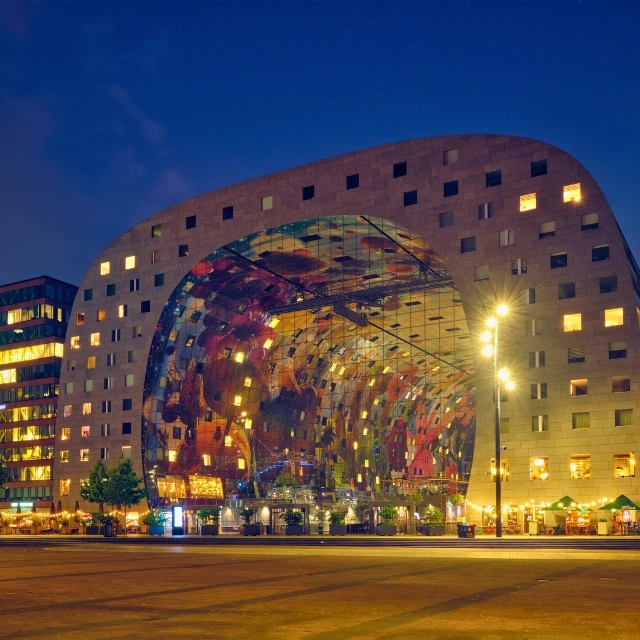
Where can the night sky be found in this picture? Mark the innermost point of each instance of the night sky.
(111, 112)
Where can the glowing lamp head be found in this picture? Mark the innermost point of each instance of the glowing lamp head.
(502, 310)
(487, 350)
(492, 322)
(510, 385)
(503, 374)
(486, 336)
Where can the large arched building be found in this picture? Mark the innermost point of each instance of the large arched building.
(319, 328)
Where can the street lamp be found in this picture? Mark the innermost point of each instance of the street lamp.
(501, 376)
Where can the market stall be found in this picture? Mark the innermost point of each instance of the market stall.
(624, 515)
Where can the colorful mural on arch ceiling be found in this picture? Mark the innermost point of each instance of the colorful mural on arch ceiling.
(327, 353)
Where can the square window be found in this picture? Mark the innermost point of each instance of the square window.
(308, 193)
(71, 366)
(158, 280)
(528, 202)
(85, 432)
(88, 295)
(589, 221)
(613, 317)
(130, 262)
(67, 409)
(177, 433)
(155, 256)
(410, 198)
(566, 290)
(450, 188)
(137, 331)
(559, 260)
(79, 319)
(190, 222)
(600, 253)
(536, 359)
(145, 306)
(539, 423)
(399, 169)
(122, 311)
(94, 339)
(111, 290)
(74, 342)
(65, 433)
(617, 350)
(88, 385)
(575, 355)
(538, 468)
(624, 417)
(518, 267)
(580, 467)
(134, 285)
(446, 219)
(620, 384)
(467, 244)
(353, 181)
(624, 465)
(572, 322)
(126, 428)
(580, 420)
(227, 213)
(101, 315)
(609, 284)
(183, 251)
(105, 268)
(579, 387)
(538, 168)
(449, 157)
(571, 193)
(481, 273)
(127, 404)
(485, 211)
(507, 237)
(64, 456)
(546, 230)
(156, 231)
(91, 362)
(86, 408)
(494, 178)
(266, 203)
(128, 380)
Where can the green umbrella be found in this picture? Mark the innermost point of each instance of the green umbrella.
(621, 502)
(561, 505)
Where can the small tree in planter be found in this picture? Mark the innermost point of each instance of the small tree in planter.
(155, 520)
(93, 526)
(293, 520)
(249, 528)
(337, 526)
(7, 521)
(123, 487)
(388, 515)
(63, 521)
(210, 521)
(434, 519)
(36, 525)
(457, 500)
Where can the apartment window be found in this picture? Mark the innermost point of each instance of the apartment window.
(504, 425)
(111, 359)
(538, 168)
(536, 359)
(538, 468)
(79, 319)
(532, 327)
(485, 211)
(155, 256)
(122, 310)
(571, 193)
(467, 244)
(134, 285)
(64, 456)
(183, 251)
(101, 315)
(518, 267)
(528, 202)
(115, 335)
(613, 317)
(94, 339)
(446, 219)
(132, 356)
(589, 221)
(126, 428)
(481, 273)
(227, 213)
(158, 279)
(108, 382)
(66, 412)
(105, 268)
(620, 384)
(111, 290)
(624, 465)
(580, 467)
(528, 296)
(575, 355)
(106, 406)
(609, 284)
(65, 433)
(353, 181)
(624, 418)
(86, 408)
(449, 157)
(84, 455)
(572, 322)
(410, 198)
(617, 350)
(559, 260)
(104, 453)
(190, 222)
(126, 452)
(145, 306)
(105, 430)
(68, 388)
(308, 193)
(137, 331)
(88, 385)
(156, 231)
(399, 169)
(71, 365)
(91, 362)
(450, 188)
(580, 420)
(579, 387)
(600, 252)
(507, 237)
(127, 404)
(128, 380)
(266, 203)
(546, 230)
(540, 423)
(130, 262)
(494, 178)
(539, 391)
(88, 295)
(566, 290)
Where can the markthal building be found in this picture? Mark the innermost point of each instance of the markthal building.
(314, 337)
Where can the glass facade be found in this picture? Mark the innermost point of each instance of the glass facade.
(327, 354)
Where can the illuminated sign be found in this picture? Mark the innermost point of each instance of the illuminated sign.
(3, 406)
(203, 487)
(22, 504)
(177, 511)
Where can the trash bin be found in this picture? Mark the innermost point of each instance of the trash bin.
(466, 530)
(534, 529)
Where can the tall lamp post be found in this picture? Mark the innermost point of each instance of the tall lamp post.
(501, 376)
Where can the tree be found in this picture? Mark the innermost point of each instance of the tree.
(94, 490)
(123, 487)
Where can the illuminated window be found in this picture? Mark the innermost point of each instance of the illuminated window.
(540, 423)
(485, 211)
(624, 465)
(581, 420)
(450, 188)
(130, 262)
(624, 417)
(241, 463)
(105, 268)
(206, 459)
(101, 315)
(538, 468)
(580, 467)
(620, 384)
(507, 238)
(589, 221)
(449, 157)
(579, 387)
(446, 219)
(156, 231)
(126, 452)
(528, 202)
(66, 411)
(493, 178)
(573, 322)
(613, 317)
(84, 455)
(266, 203)
(128, 380)
(228, 441)
(79, 319)
(86, 408)
(65, 487)
(7, 376)
(227, 213)
(122, 310)
(64, 456)
(571, 193)
(91, 362)
(617, 350)
(75, 342)
(173, 455)
(95, 340)
(538, 168)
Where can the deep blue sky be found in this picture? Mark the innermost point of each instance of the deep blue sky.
(111, 112)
